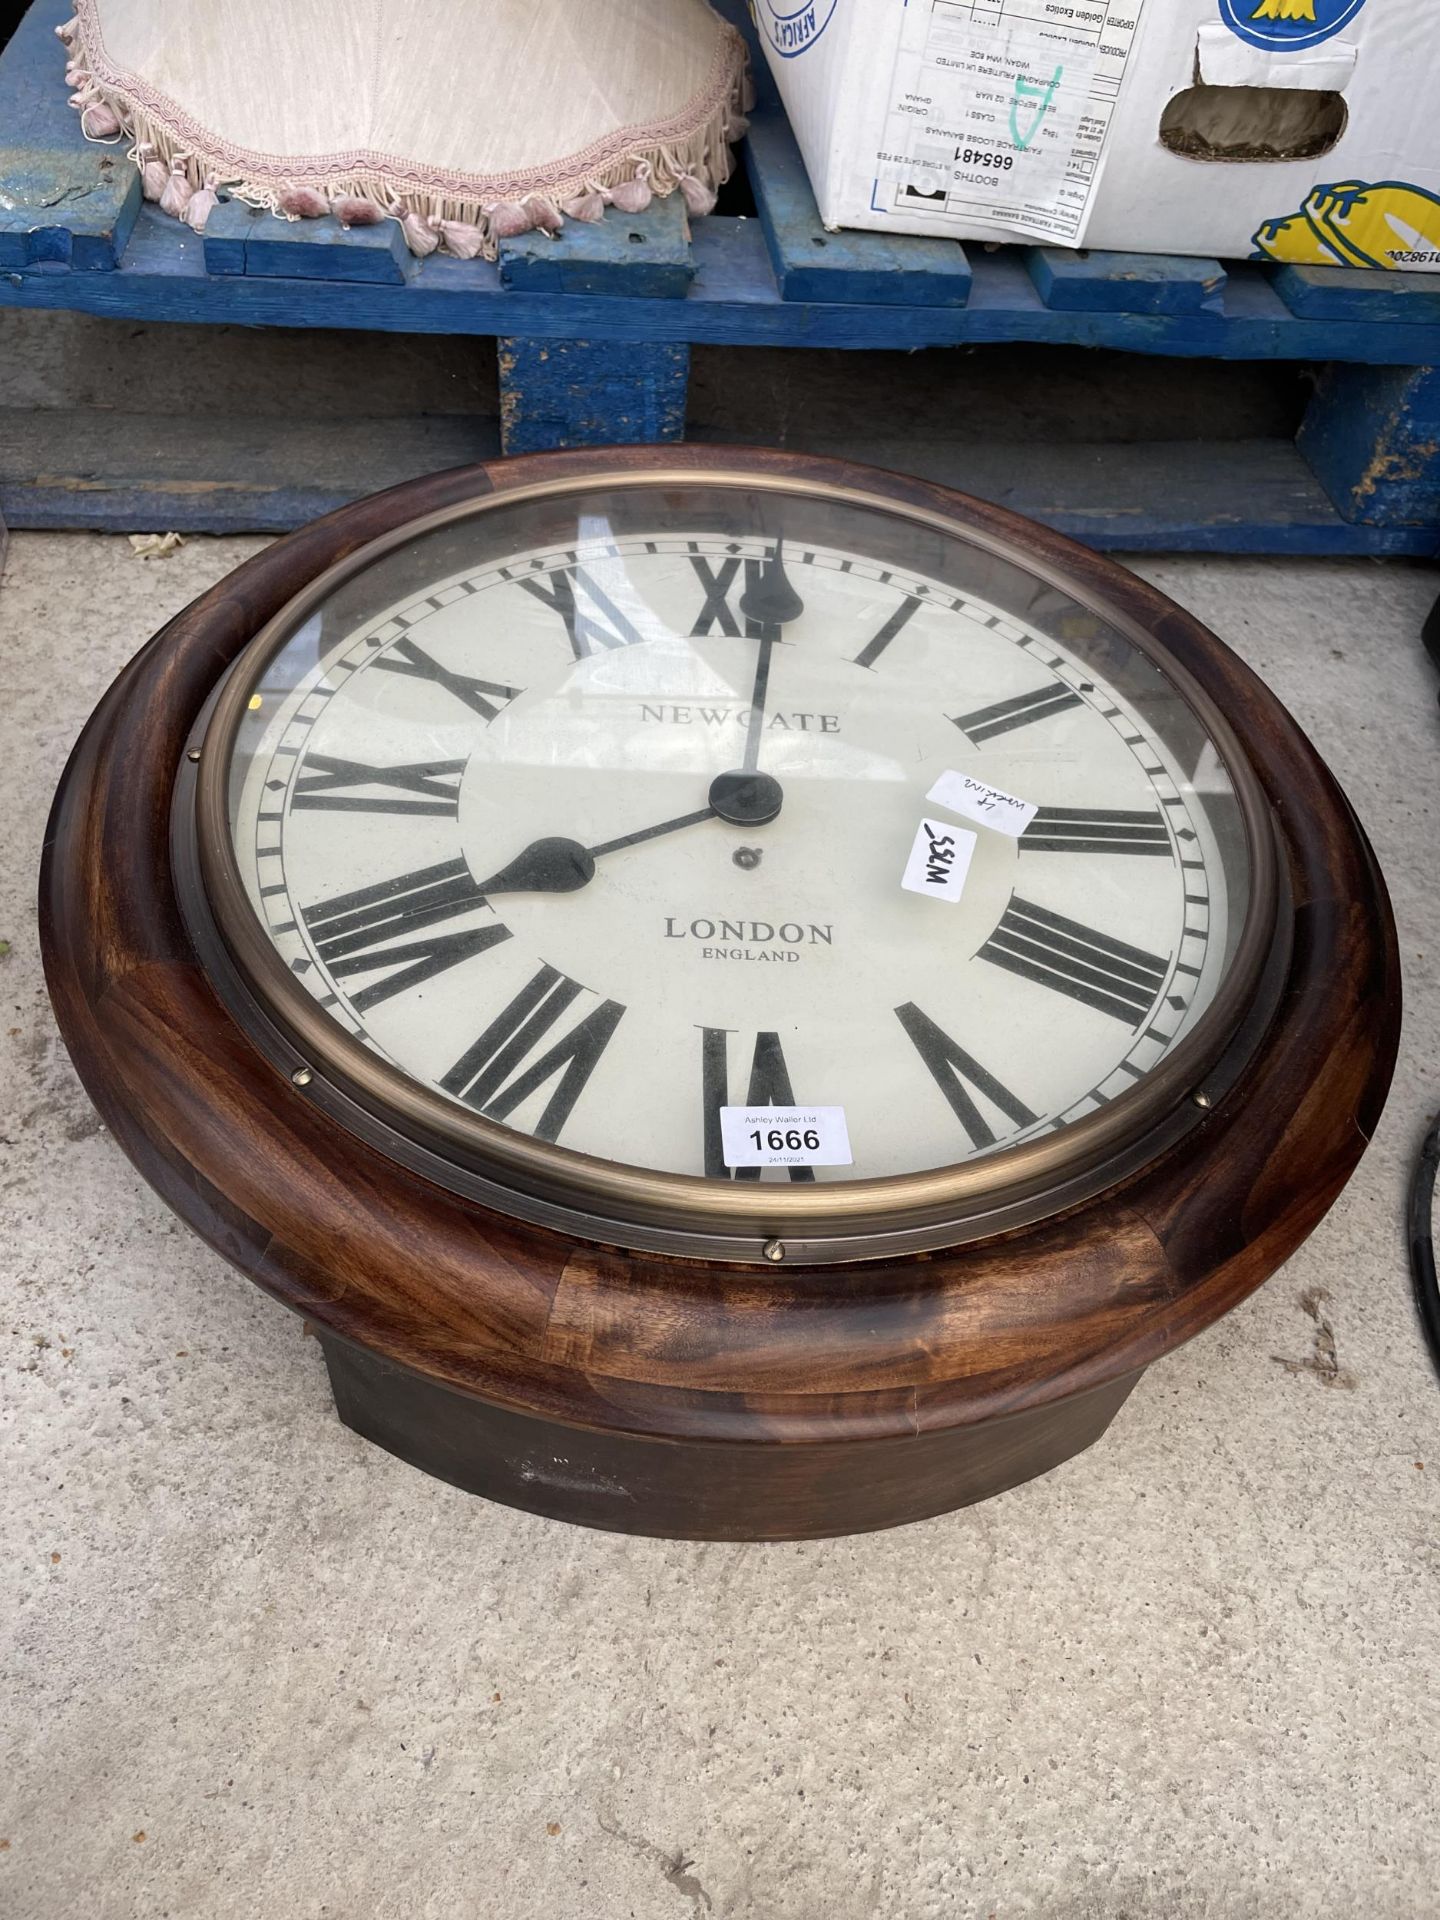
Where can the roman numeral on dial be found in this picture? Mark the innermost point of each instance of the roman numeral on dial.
(506, 1066)
(321, 777)
(1090, 967)
(370, 930)
(960, 1077)
(873, 649)
(1097, 830)
(592, 619)
(769, 1086)
(986, 723)
(717, 583)
(481, 696)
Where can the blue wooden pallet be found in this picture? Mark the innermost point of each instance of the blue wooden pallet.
(594, 328)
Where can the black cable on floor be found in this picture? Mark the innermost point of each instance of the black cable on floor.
(1430, 633)
(1422, 1190)
(1422, 1240)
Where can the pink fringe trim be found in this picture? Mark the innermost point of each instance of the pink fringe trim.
(184, 171)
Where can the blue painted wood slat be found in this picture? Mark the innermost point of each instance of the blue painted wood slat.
(227, 236)
(1093, 282)
(585, 393)
(809, 263)
(1359, 293)
(733, 300)
(644, 254)
(240, 239)
(1372, 438)
(64, 201)
(121, 472)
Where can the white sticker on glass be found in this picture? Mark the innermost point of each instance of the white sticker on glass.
(977, 801)
(939, 860)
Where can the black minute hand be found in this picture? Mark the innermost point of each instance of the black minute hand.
(771, 601)
(769, 597)
(556, 865)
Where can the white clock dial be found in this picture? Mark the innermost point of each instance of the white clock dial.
(600, 833)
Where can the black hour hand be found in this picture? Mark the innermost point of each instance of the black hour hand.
(545, 866)
(557, 865)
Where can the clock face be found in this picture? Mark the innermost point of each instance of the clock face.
(621, 818)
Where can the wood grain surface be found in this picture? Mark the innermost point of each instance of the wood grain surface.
(595, 1348)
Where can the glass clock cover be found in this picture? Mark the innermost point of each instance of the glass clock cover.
(597, 820)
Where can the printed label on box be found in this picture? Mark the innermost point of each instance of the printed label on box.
(999, 111)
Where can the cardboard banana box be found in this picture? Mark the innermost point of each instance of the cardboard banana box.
(1300, 130)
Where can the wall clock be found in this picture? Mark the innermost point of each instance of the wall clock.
(741, 996)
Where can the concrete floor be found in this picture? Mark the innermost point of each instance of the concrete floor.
(255, 1666)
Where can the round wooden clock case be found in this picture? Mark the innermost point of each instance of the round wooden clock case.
(667, 1348)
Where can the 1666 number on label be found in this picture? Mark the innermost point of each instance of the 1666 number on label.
(785, 1137)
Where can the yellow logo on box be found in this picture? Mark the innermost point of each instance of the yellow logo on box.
(1288, 26)
(1387, 223)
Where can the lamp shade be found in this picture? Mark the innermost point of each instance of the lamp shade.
(467, 120)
